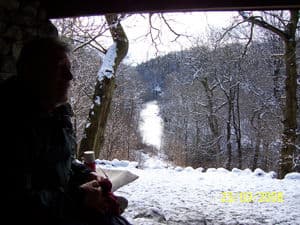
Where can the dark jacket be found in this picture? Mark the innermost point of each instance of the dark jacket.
(42, 177)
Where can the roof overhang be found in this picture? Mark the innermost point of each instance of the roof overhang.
(74, 8)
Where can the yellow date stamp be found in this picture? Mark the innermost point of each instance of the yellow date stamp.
(251, 197)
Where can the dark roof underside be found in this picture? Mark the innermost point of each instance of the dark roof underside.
(72, 8)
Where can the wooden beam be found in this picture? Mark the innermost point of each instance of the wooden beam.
(72, 8)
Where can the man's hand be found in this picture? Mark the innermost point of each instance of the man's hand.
(93, 196)
(98, 198)
(95, 176)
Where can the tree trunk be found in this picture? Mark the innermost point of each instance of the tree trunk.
(288, 35)
(265, 156)
(237, 127)
(228, 139)
(212, 120)
(94, 133)
(257, 143)
(288, 149)
(290, 113)
(187, 162)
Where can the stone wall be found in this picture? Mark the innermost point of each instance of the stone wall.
(20, 21)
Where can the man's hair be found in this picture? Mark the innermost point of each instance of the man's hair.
(36, 53)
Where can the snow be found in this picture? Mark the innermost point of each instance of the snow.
(107, 67)
(154, 163)
(151, 125)
(97, 100)
(157, 88)
(293, 176)
(164, 194)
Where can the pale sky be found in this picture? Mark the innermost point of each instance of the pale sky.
(195, 24)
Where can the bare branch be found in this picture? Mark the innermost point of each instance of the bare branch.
(101, 49)
(169, 27)
(257, 20)
(91, 38)
(151, 33)
(278, 17)
(88, 42)
(249, 40)
(228, 30)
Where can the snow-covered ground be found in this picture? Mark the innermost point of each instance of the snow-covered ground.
(186, 196)
(151, 124)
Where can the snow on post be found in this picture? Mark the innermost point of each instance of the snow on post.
(107, 67)
(97, 100)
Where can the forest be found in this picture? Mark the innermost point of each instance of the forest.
(230, 100)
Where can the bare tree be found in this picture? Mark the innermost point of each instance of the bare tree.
(94, 132)
(212, 117)
(286, 29)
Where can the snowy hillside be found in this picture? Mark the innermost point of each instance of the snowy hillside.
(187, 196)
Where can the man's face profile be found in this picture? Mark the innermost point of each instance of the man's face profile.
(57, 78)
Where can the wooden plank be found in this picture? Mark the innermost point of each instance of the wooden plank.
(71, 8)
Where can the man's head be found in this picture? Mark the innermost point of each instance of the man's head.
(44, 67)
